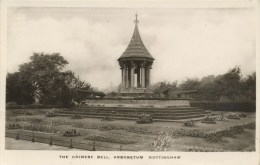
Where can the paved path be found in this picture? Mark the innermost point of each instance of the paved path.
(12, 144)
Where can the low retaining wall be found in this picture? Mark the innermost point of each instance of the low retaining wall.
(246, 106)
(137, 102)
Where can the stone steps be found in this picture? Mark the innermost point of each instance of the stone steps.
(106, 109)
(136, 108)
(132, 113)
(126, 113)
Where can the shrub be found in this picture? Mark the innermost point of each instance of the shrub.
(233, 115)
(144, 119)
(190, 123)
(71, 133)
(51, 113)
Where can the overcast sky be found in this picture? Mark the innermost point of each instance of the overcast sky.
(186, 43)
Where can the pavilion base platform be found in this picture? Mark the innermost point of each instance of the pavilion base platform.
(162, 110)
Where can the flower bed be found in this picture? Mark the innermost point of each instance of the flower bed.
(233, 115)
(144, 119)
(200, 149)
(209, 119)
(51, 113)
(110, 139)
(40, 128)
(249, 126)
(77, 116)
(108, 118)
(71, 133)
(230, 132)
(162, 142)
(208, 122)
(14, 126)
(190, 123)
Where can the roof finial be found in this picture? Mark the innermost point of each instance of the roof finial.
(136, 20)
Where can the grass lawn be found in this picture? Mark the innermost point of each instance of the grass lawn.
(135, 137)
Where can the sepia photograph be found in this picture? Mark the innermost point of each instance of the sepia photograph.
(130, 79)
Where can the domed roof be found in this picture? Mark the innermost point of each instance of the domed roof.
(136, 48)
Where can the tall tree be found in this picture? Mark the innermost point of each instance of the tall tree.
(229, 84)
(47, 79)
(190, 84)
(249, 86)
(18, 90)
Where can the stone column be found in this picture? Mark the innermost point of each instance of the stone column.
(143, 75)
(132, 73)
(147, 76)
(138, 77)
(126, 77)
(123, 77)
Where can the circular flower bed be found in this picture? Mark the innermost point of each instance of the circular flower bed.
(144, 119)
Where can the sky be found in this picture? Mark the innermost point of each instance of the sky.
(186, 43)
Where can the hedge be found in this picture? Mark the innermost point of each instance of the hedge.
(248, 106)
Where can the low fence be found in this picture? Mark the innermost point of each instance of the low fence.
(32, 106)
(94, 146)
(249, 106)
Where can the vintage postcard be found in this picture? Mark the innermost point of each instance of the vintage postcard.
(143, 82)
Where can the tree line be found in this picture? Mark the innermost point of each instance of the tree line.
(44, 79)
(228, 86)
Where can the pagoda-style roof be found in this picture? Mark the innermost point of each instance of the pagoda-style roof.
(136, 48)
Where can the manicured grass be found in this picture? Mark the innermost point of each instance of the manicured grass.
(142, 141)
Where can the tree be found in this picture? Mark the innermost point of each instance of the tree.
(229, 84)
(18, 90)
(207, 88)
(165, 88)
(78, 86)
(249, 86)
(190, 84)
(47, 79)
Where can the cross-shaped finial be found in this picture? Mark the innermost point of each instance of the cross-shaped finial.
(136, 20)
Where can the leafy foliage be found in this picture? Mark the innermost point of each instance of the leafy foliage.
(44, 79)
(225, 87)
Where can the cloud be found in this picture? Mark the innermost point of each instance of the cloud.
(184, 43)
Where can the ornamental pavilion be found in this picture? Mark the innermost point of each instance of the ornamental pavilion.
(135, 63)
